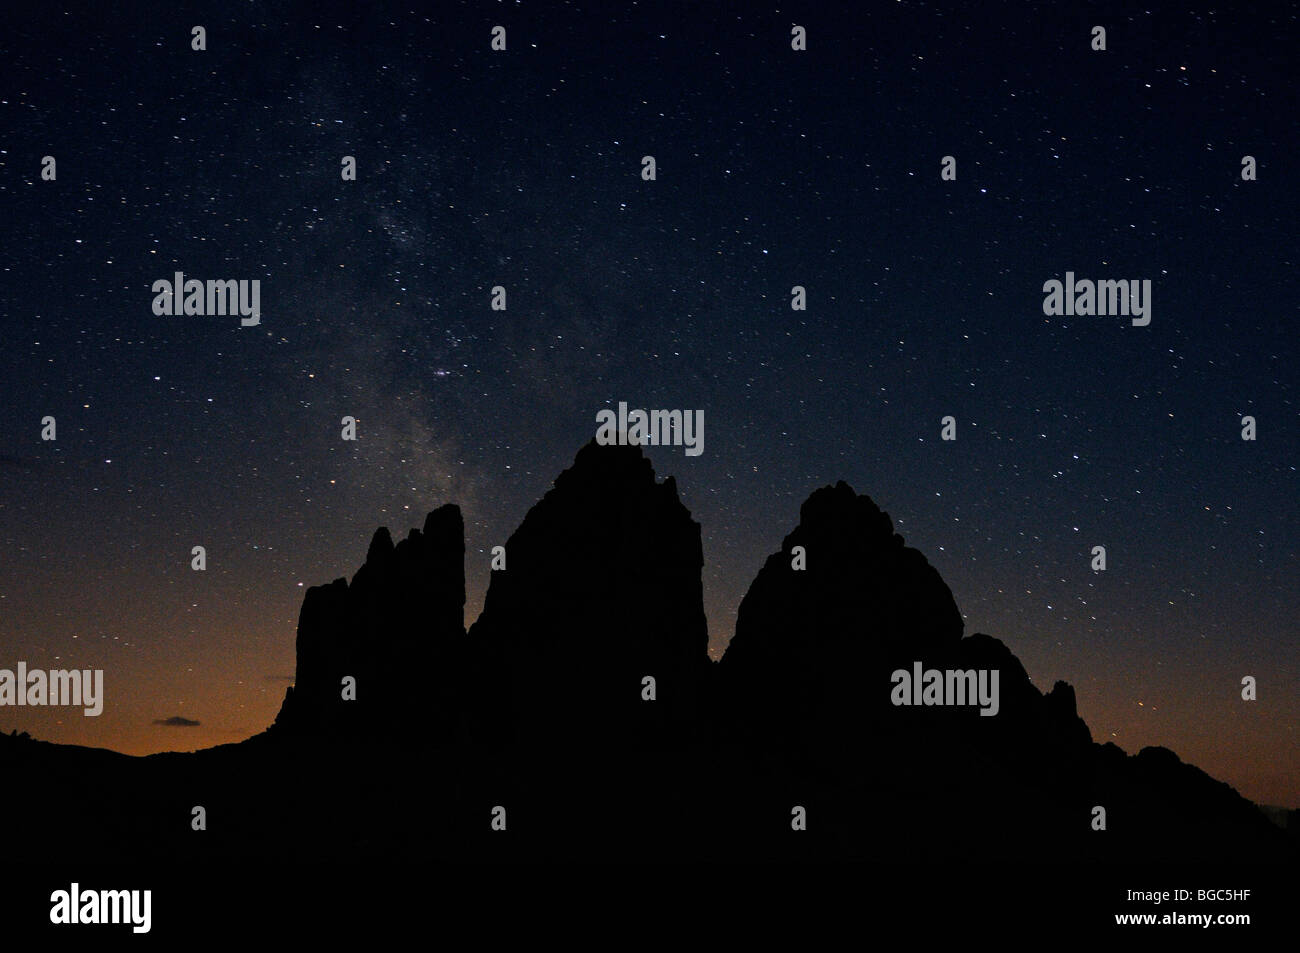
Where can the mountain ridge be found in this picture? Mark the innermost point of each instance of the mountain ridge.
(586, 680)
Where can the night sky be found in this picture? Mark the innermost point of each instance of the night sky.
(775, 168)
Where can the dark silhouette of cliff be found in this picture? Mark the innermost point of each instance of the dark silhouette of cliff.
(805, 709)
(543, 709)
(599, 607)
(602, 590)
(403, 612)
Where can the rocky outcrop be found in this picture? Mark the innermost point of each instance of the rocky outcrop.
(601, 591)
(403, 613)
(545, 704)
(811, 643)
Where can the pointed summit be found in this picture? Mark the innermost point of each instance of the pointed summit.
(381, 547)
(602, 590)
(843, 598)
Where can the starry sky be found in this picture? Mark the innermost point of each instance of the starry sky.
(775, 168)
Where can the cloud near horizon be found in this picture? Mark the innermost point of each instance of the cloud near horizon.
(176, 721)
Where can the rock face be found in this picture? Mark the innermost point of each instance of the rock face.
(403, 613)
(806, 639)
(806, 705)
(543, 705)
(601, 591)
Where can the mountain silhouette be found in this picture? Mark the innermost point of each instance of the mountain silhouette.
(403, 612)
(582, 703)
(602, 589)
(808, 715)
